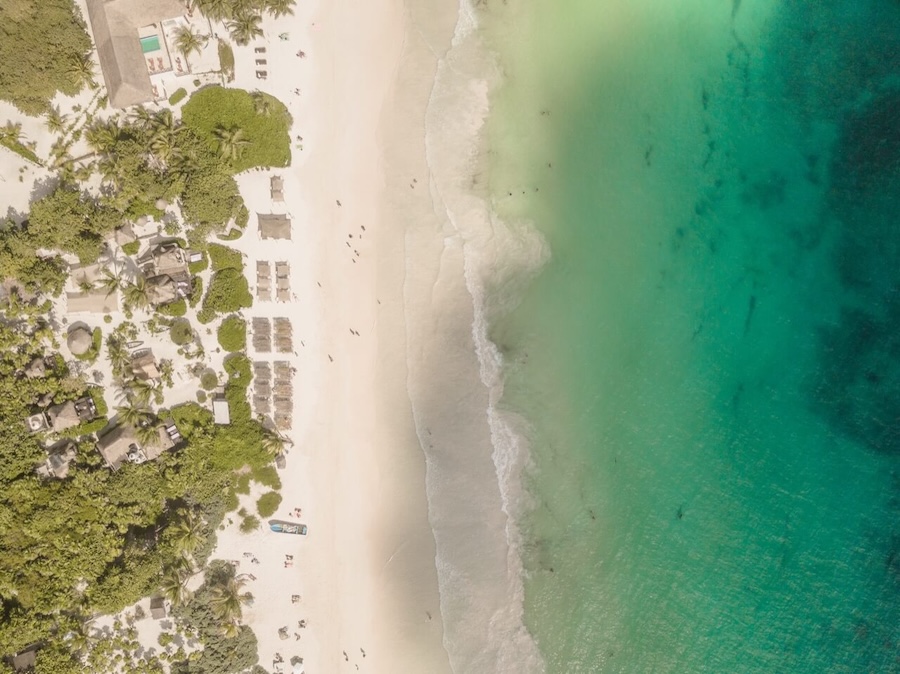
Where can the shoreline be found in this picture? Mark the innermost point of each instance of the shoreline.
(366, 572)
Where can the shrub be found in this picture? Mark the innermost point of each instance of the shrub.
(209, 380)
(268, 133)
(182, 332)
(131, 248)
(242, 486)
(178, 96)
(228, 292)
(201, 396)
(232, 334)
(96, 394)
(107, 318)
(176, 308)
(238, 368)
(268, 503)
(223, 257)
(233, 235)
(242, 218)
(196, 291)
(231, 501)
(267, 476)
(206, 316)
(249, 523)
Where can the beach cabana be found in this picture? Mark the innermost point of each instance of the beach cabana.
(276, 188)
(274, 226)
(157, 608)
(143, 366)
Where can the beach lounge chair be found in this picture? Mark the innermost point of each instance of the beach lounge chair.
(261, 74)
(260, 50)
(261, 62)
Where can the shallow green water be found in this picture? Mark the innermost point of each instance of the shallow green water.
(711, 360)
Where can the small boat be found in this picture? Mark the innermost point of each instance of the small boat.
(283, 527)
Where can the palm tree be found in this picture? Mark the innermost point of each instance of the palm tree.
(142, 117)
(215, 10)
(81, 71)
(231, 142)
(137, 391)
(11, 132)
(278, 8)
(172, 585)
(147, 434)
(187, 41)
(226, 599)
(101, 137)
(111, 282)
(164, 139)
(136, 294)
(56, 121)
(85, 286)
(189, 532)
(272, 443)
(133, 413)
(231, 629)
(244, 27)
(262, 104)
(118, 356)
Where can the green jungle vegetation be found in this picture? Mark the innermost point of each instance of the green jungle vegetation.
(248, 129)
(97, 541)
(243, 17)
(45, 49)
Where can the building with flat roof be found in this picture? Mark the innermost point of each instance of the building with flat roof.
(221, 411)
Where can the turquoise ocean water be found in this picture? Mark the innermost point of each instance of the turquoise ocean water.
(710, 360)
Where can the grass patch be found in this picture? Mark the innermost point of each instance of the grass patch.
(178, 96)
(223, 257)
(232, 334)
(267, 131)
(196, 291)
(268, 503)
(226, 59)
(20, 150)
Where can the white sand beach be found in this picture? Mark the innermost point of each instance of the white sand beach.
(366, 572)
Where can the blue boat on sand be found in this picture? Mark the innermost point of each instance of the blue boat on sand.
(283, 527)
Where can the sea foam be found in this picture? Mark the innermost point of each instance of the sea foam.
(479, 567)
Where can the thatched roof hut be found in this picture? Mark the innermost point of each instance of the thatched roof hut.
(63, 416)
(79, 340)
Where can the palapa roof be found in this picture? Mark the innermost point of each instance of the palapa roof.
(169, 258)
(157, 608)
(115, 25)
(274, 226)
(115, 445)
(79, 340)
(59, 458)
(161, 289)
(276, 187)
(143, 365)
(63, 416)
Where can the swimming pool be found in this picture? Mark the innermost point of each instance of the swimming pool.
(150, 43)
